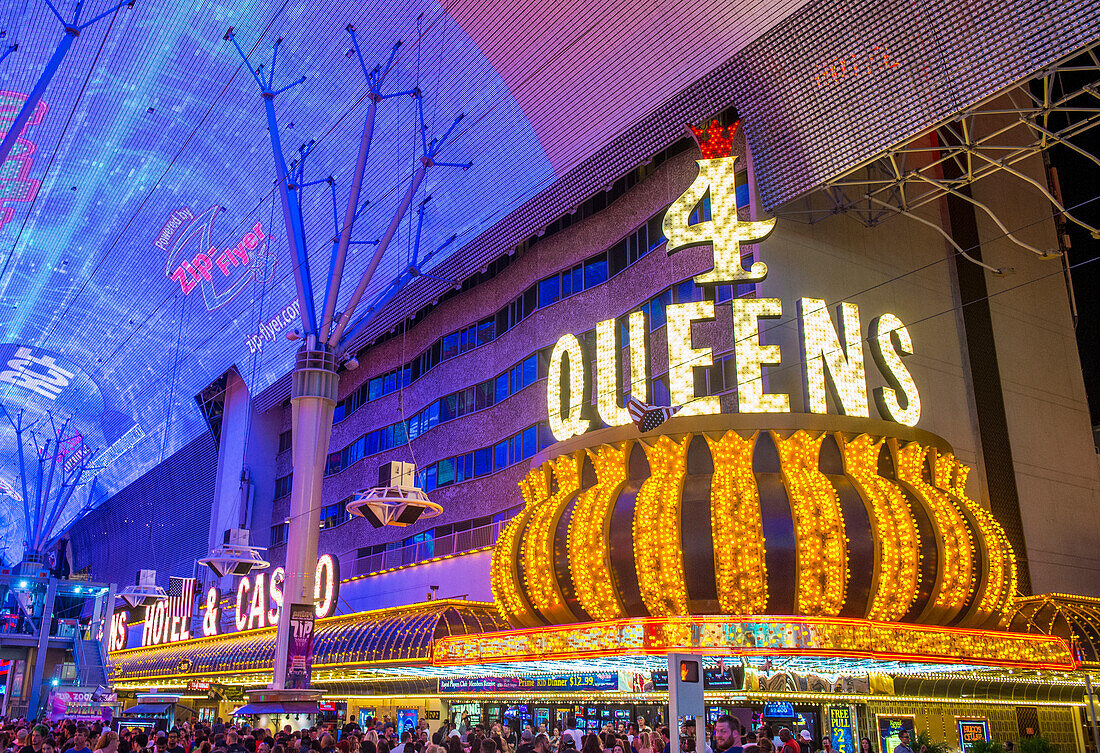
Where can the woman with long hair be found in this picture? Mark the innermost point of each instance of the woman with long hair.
(108, 742)
(865, 745)
(592, 744)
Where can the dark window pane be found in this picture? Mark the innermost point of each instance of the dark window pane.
(450, 346)
(617, 258)
(595, 271)
(375, 390)
(429, 479)
(448, 408)
(483, 395)
(372, 443)
(549, 290)
(578, 278)
(399, 434)
(500, 454)
(433, 414)
(446, 472)
(337, 417)
(655, 231)
(660, 391)
(530, 370)
(502, 321)
(567, 284)
(485, 330)
(530, 301)
(685, 291)
(530, 439)
(502, 386)
(546, 437)
(483, 461)
(391, 382)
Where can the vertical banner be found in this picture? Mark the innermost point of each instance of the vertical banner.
(840, 729)
(971, 731)
(299, 660)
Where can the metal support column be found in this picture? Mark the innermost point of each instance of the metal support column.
(1092, 712)
(43, 645)
(312, 402)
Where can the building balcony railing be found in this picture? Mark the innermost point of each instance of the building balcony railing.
(452, 543)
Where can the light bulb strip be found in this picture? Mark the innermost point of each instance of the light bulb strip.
(821, 542)
(999, 589)
(738, 530)
(503, 575)
(956, 566)
(537, 547)
(897, 540)
(659, 562)
(589, 559)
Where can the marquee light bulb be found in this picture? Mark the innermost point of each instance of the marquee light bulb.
(566, 421)
(682, 358)
(750, 355)
(825, 356)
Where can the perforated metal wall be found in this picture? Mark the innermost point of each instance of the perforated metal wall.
(161, 521)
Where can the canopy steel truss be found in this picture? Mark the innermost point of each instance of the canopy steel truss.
(1054, 106)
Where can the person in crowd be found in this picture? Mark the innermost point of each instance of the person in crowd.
(789, 745)
(826, 745)
(78, 743)
(174, 743)
(865, 745)
(903, 743)
(727, 735)
(805, 741)
(108, 742)
(573, 733)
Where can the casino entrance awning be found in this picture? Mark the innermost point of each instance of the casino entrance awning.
(381, 637)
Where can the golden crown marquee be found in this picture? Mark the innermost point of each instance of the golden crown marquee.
(823, 516)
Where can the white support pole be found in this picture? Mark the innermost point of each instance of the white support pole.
(313, 400)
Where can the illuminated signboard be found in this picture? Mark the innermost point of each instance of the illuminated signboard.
(260, 597)
(832, 357)
(840, 729)
(583, 681)
(889, 727)
(971, 731)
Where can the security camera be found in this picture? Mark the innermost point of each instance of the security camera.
(294, 334)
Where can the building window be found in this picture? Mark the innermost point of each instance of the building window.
(335, 514)
(284, 441)
(279, 533)
(282, 485)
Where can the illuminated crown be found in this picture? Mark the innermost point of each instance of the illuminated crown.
(715, 140)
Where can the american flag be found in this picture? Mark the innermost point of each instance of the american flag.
(648, 417)
(181, 597)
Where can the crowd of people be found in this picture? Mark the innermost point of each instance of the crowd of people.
(726, 735)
